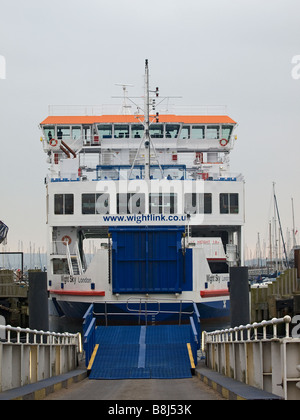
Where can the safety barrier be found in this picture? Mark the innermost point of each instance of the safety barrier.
(89, 327)
(257, 355)
(28, 356)
(195, 333)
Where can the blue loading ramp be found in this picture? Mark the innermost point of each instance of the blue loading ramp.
(140, 352)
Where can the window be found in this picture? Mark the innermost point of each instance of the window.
(63, 133)
(60, 266)
(49, 132)
(229, 203)
(172, 131)
(137, 131)
(95, 203)
(226, 131)
(198, 132)
(63, 204)
(87, 133)
(157, 131)
(76, 133)
(121, 131)
(132, 203)
(198, 203)
(218, 267)
(212, 132)
(163, 203)
(185, 132)
(105, 131)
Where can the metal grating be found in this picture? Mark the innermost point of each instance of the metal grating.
(142, 352)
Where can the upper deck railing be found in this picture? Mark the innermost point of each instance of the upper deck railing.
(109, 109)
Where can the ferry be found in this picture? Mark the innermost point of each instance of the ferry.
(154, 194)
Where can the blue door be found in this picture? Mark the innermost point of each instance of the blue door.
(149, 260)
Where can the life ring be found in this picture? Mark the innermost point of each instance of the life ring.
(223, 142)
(53, 142)
(66, 240)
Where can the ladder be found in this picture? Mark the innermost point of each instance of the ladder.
(74, 261)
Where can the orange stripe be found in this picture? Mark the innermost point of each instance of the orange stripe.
(186, 119)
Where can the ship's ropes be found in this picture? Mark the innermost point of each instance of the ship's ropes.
(131, 352)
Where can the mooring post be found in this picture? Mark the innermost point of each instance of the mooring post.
(239, 296)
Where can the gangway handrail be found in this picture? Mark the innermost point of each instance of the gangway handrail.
(146, 312)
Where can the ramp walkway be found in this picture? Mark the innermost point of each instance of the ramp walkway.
(140, 352)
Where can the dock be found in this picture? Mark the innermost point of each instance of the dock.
(148, 362)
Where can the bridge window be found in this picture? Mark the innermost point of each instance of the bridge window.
(87, 133)
(212, 132)
(172, 130)
(105, 131)
(63, 204)
(121, 131)
(198, 132)
(229, 203)
(226, 131)
(157, 131)
(137, 131)
(95, 203)
(163, 203)
(185, 132)
(132, 203)
(63, 133)
(49, 132)
(76, 133)
(198, 203)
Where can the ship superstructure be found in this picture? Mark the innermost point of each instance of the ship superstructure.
(156, 194)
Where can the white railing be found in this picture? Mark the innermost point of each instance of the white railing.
(78, 258)
(257, 355)
(63, 248)
(237, 334)
(28, 356)
(164, 108)
(38, 336)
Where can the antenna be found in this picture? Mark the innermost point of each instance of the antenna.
(126, 108)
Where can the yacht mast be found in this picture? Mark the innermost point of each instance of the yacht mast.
(282, 238)
(294, 232)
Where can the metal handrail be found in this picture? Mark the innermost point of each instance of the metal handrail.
(236, 334)
(146, 312)
(52, 337)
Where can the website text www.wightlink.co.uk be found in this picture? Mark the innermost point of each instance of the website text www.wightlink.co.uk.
(139, 218)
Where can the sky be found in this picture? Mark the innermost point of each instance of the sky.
(238, 53)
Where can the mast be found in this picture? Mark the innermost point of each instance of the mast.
(146, 140)
(280, 228)
(294, 234)
(147, 124)
(270, 242)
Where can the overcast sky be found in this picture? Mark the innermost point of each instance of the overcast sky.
(233, 52)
